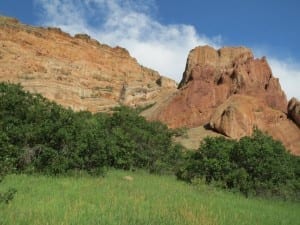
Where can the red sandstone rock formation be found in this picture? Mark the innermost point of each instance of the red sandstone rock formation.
(234, 92)
(211, 76)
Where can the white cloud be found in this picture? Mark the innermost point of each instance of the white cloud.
(132, 24)
(289, 76)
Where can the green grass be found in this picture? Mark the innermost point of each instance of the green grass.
(147, 199)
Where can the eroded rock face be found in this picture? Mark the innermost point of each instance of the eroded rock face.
(294, 110)
(77, 72)
(239, 114)
(212, 76)
(206, 55)
(233, 92)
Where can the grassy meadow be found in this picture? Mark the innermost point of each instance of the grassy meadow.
(147, 199)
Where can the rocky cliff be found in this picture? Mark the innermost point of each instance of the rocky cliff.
(212, 76)
(230, 91)
(77, 72)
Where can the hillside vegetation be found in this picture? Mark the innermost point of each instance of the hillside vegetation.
(39, 136)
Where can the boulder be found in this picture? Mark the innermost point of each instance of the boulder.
(294, 110)
(240, 114)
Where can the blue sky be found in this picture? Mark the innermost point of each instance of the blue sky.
(160, 33)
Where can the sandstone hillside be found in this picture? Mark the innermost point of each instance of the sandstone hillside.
(77, 72)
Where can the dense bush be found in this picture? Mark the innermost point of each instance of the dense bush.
(256, 165)
(139, 143)
(37, 135)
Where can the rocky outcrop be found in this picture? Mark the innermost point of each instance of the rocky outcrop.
(206, 55)
(239, 114)
(77, 72)
(231, 92)
(212, 76)
(294, 110)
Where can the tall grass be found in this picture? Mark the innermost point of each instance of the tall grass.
(147, 199)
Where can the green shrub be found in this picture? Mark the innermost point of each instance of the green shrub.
(256, 165)
(37, 135)
(138, 143)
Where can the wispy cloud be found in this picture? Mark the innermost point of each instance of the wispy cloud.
(132, 24)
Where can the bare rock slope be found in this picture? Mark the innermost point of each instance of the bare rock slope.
(77, 72)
